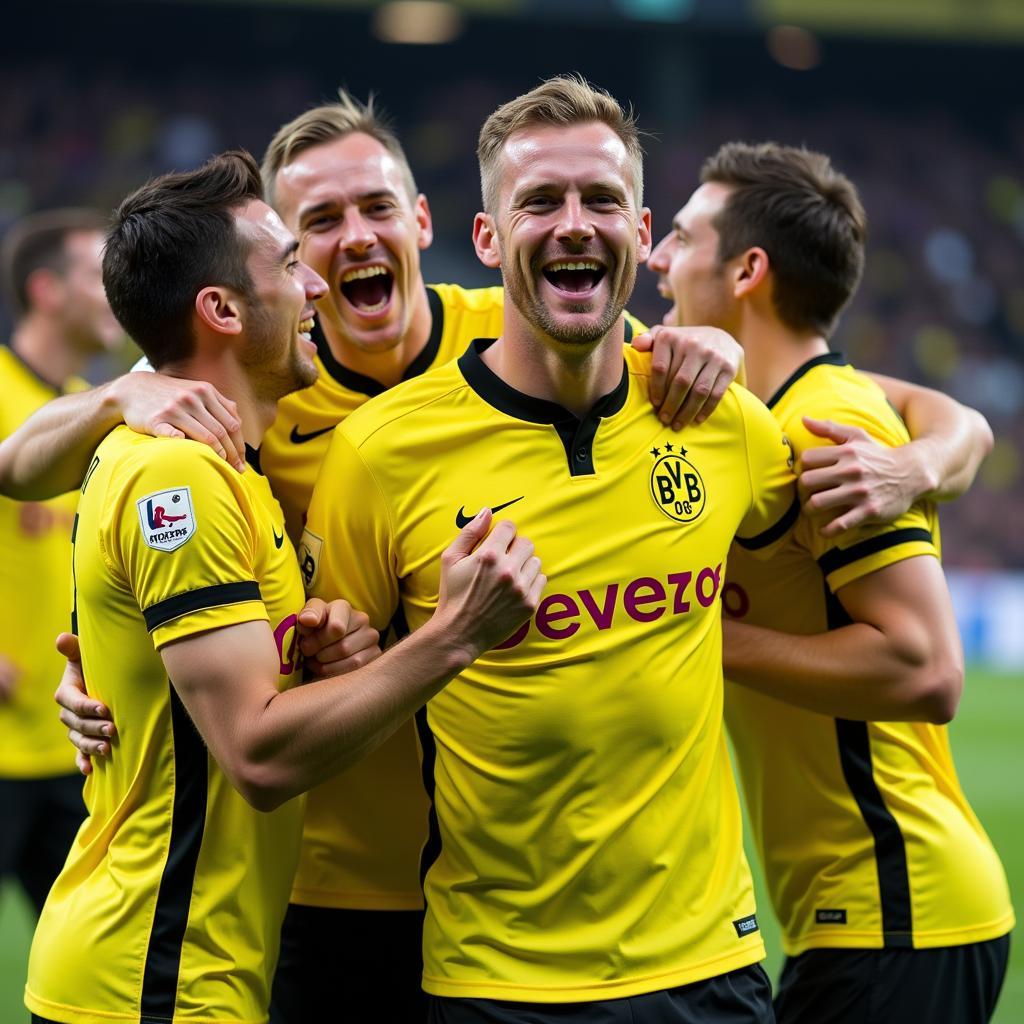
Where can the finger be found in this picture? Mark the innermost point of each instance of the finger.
(314, 612)
(363, 639)
(338, 637)
(849, 521)
(350, 664)
(665, 365)
(470, 535)
(164, 429)
(837, 432)
(832, 497)
(67, 644)
(695, 398)
(818, 458)
(83, 763)
(94, 727)
(530, 570)
(72, 697)
(519, 551)
(500, 539)
(642, 342)
(87, 746)
(199, 425)
(225, 412)
(536, 590)
(718, 390)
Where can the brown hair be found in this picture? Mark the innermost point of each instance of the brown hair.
(563, 100)
(325, 124)
(37, 242)
(806, 216)
(171, 238)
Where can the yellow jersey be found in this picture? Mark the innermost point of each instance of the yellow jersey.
(35, 596)
(866, 837)
(585, 829)
(365, 828)
(170, 904)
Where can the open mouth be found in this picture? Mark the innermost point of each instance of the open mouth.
(306, 328)
(368, 289)
(574, 277)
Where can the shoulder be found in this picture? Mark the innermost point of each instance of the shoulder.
(474, 300)
(404, 404)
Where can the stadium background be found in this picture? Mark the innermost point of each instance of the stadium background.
(919, 102)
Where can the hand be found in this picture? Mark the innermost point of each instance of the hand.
(865, 482)
(335, 638)
(490, 584)
(153, 403)
(9, 673)
(691, 369)
(89, 726)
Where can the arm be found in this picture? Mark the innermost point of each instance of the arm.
(691, 369)
(867, 482)
(50, 452)
(275, 745)
(899, 659)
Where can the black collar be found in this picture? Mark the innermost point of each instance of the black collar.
(252, 456)
(832, 358)
(367, 385)
(577, 435)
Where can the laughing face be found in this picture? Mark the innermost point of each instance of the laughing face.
(566, 230)
(348, 203)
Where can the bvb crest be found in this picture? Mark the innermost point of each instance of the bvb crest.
(676, 485)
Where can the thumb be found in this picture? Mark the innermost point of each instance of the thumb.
(67, 645)
(642, 342)
(837, 432)
(471, 534)
(312, 615)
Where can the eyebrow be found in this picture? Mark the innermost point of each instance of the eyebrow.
(330, 204)
(677, 225)
(289, 250)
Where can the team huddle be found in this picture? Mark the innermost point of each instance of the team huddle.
(408, 620)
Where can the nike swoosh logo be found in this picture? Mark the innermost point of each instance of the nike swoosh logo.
(278, 541)
(297, 438)
(461, 519)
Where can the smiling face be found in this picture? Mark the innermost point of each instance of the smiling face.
(348, 203)
(690, 274)
(279, 311)
(566, 229)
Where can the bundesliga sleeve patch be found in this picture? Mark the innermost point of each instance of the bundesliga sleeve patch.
(310, 549)
(167, 518)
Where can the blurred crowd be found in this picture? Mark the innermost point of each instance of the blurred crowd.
(942, 301)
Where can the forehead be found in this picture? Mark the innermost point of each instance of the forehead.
(703, 206)
(336, 171)
(84, 248)
(262, 229)
(561, 155)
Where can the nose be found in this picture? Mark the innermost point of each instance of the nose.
(316, 286)
(357, 234)
(574, 226)
(659, 259)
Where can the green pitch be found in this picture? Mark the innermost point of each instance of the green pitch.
(990, 758)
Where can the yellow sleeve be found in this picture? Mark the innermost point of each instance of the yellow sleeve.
(774, 505)
(347, 549)
(873, 546)
(181, 534)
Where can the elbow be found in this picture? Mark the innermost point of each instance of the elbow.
(942, 684)
(263, 786)
(983, 432)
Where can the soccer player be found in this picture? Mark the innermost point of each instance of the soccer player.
(893, 903)
(584, 860)
(341, 182)
(51, 272)
(187, 596)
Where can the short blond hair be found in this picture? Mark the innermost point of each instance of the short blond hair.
(562, 100)
(327, 123)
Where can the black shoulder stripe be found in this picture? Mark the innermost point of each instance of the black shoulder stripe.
(836, 558)
(774, 532)
(197, 600)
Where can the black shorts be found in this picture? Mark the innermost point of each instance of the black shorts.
(41, 819)
(948, 985)
(739, 997)
(349, 965)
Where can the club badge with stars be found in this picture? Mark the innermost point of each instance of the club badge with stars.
(676, 484)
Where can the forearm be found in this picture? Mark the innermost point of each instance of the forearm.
(949, 441)
(309, 733)
(857, 672)
(50, 452)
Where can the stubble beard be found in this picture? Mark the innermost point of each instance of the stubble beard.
(271, 379)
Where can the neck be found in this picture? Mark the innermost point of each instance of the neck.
(40, 343)
(772, 352)
(256, 413)
(386, 366)
(574, 377)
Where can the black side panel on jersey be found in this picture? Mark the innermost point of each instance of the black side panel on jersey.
(854, 744)
(163, 957)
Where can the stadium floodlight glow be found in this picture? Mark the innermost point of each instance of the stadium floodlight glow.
(794, 47)
(417, 22)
